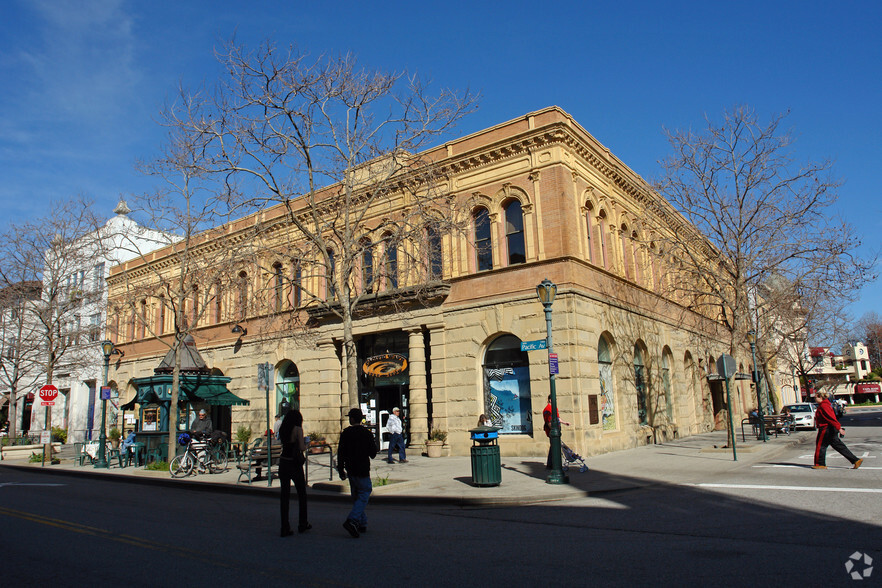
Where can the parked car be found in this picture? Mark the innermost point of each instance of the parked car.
(803, 415)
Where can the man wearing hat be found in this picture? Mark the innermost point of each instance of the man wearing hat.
(354, 455)
(396, 430)
(202, 426)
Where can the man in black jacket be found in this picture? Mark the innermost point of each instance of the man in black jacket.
(354, 455)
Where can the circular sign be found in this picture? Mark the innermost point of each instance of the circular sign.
(48, 393)
(388, 364)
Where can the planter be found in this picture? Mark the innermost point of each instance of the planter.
(114, 443)
(316, 448)
(433, 448)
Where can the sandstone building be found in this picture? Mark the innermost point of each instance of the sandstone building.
(546, 200)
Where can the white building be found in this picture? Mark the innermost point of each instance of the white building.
(840, 373)
(19, 368)
(80, 373)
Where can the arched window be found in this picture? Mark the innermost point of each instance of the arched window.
(640, 385)
(602, 232)
(589, 230)
(242, 294)
(507, 386)
(142, 320)
(433, 240)
(218, 302)
(514, 233)
(607, 391)
(367, 266)
(390, 252)
(627, 260)
(483, 244)
(160, 315)
(296, 283)
(288, 384)
(667, 360)
(635, 250)
(278, 287)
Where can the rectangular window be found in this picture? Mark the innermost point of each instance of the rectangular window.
(593, 412)
(98, 277)
(94, 328)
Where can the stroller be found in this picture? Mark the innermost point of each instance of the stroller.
(570, 457)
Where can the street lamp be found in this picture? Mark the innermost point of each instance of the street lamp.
(751, 338)
(108, 349)
(546, 292)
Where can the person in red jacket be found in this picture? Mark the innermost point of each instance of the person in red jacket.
(829, 433)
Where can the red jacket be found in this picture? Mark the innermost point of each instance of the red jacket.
(825, 417)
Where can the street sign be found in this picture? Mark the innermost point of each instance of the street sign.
(105, 392)
(47, 394)
(726, 366)
(45, 437)
(552, 363)
(533, 345)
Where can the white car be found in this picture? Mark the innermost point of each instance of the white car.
(803, 415)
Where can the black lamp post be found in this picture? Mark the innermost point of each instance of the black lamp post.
(751, 338)
(108, 349)
(546, 291)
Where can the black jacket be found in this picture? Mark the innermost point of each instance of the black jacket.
(355, 451)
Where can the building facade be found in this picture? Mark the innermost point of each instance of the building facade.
(547, 201)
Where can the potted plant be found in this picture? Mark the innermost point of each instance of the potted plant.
(435, 442)
(114, 436)
(316, 441)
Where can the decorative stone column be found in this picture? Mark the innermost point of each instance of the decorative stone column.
(418, 407)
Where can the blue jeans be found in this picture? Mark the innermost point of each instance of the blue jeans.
(396, 439)
(360, 488)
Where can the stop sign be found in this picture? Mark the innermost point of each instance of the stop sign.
(47, 395)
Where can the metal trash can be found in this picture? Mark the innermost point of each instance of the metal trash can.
(486, 466)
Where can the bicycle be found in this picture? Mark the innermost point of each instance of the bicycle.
(200, 455)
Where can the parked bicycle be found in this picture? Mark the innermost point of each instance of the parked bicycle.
(201, 455)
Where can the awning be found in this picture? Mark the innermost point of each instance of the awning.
(223, 398)
(194, 388)
(130, 405)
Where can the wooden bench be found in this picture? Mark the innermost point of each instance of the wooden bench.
(256, 460)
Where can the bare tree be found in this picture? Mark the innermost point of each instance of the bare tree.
(773, 256)
(338, 148)
(53, 252)
(203, 257)
(20, 349)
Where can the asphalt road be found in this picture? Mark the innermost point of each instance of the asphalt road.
(769, 523)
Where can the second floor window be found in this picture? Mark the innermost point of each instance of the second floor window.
(514, 233)
(483, 246)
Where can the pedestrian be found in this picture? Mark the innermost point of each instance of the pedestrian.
(483, 421)
(829, 433)
(291, 468)
(396, 439)
(546, 415)
(354, 454)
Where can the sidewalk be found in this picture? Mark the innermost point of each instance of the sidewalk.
(447, 480)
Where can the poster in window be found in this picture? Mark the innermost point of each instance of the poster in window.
(509, 405)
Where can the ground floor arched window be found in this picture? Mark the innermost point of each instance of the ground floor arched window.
(640, 385)
(607, 391)
(288, 385)
(507, 399)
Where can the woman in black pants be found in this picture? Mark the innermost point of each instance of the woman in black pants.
(291, 468)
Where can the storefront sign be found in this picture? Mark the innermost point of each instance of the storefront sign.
(388, 364)
(867, 389)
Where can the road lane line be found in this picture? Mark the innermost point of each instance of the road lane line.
(798, 488)
(806, 466)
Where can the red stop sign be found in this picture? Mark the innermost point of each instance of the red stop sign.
(48, 393)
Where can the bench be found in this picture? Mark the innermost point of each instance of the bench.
(773, 424)
(256, 460)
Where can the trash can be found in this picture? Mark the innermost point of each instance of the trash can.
(486, 466)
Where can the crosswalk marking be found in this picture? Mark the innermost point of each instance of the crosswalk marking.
(797, 488)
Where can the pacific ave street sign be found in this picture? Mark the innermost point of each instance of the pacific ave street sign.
(47, 395)
(533, 345)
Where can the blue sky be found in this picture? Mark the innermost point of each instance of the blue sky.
(81, 81)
